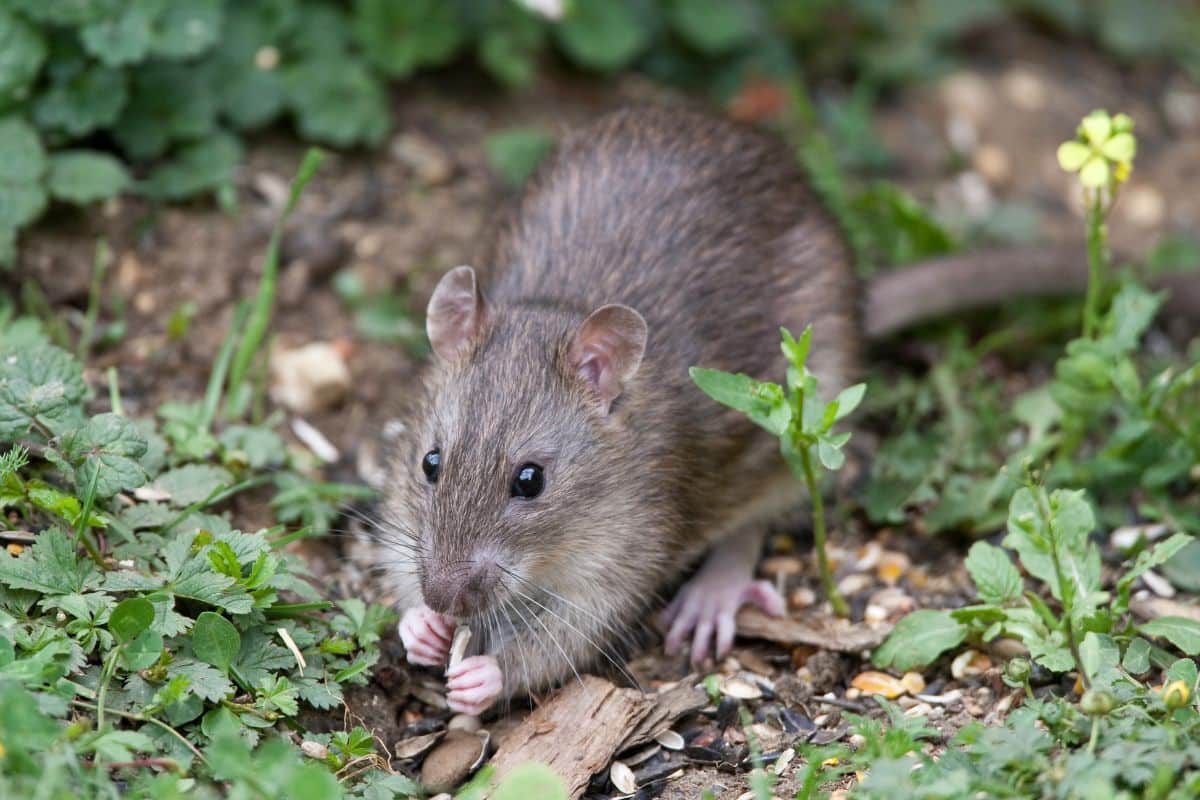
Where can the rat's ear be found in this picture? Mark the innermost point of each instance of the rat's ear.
(455, 313)
(608, 349)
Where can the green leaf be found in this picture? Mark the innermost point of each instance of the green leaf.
(1160, 554)
(713, 26)
(603, 35)
(82, 98)
(996, 578)
(203, 680)
(1183, 570)
(184, 30)
(168, 103)
(1132, 312)
(832, 458)
(201, 166)
(130, 618)
(516, 153)
(399, 38)
(919, 639)
(41, 384)
(64, 12)
(338, 102)
(85, 176)
(1100, 656)
(215, 640)
(143, 651)
(848, 400)
(50, 566)
(22, 163)
(1137, 657)
(508, 48)
(763, 403)
(22, 51)
(192, 483)
(529, 780)
(105, 450)
(1182, 632)
(123, 37)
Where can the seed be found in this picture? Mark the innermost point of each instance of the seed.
(970, 663)
(669, 739)
(913, 682)
(622, 777)
(872, 682)
(740, 689)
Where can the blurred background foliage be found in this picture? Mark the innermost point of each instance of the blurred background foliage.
(99, 97)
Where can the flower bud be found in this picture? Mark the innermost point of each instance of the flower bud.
(1176, 694)
(1096, 703)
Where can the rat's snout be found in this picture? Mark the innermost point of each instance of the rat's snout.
(459, 588)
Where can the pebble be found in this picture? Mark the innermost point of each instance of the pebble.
(894, 601)
(1158, 584)
(427, 160)
(801, 597)
(1126, 536)
(857, 741)
(774, 566)
(314, 750)
(310, 378)
(892, 566)
(1025, 89)
(853, 584)
(874, 615)
(993, 163)
(1144, 206)
(1181, 106)
(449, 764)
(967, 95)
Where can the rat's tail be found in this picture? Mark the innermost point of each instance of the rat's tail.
(903, 297)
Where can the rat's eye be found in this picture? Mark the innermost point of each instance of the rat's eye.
(528, 482)
(431, 463)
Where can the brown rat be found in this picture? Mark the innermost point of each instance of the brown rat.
(562, 471)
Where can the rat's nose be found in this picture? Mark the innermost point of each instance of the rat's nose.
(459, 589)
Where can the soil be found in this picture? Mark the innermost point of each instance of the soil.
(982, 136)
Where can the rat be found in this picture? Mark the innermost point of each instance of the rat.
(560, 471)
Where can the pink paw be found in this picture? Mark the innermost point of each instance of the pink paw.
(473, 684)
(426, 635)
(704, 608)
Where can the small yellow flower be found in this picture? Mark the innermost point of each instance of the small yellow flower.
(3, 751)
(1103, 148)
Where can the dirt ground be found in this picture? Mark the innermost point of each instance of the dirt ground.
(979, 140)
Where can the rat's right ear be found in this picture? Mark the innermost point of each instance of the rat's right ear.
(455, 314)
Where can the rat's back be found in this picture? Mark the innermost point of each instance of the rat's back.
(703, 225)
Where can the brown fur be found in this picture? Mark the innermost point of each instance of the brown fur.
(706, 228)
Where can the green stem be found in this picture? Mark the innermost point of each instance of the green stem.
(114, 393)
(82, 530)
(818, 505)
(1064, 589)
(1098, 256)
(1095, 737)
(100, 710)
(99, 267)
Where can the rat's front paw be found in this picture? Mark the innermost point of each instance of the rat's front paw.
(707, 605)
(426, 635)
(473, 684)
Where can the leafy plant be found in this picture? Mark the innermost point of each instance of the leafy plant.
(803, 423)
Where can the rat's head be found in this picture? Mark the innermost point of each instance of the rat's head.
(514, 479)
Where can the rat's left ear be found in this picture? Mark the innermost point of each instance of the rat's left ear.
(455, 314)
(608, 349)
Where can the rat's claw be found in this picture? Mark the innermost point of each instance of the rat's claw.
(426, 635)
(473, 684)
(705, 608)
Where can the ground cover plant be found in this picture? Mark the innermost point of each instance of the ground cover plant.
(153, 644)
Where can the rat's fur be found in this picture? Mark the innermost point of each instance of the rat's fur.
(708, 229)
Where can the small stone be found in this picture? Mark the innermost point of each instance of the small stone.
(310, 378)
(1181, 105)
(854, 583)
(961, 133)
(801, 597)
(314, 749)
(918, 710)
(1126, 536)
(427, 160)
(873, 682)
(781, 763)
(969, 663)
(892, 566)
(1025, 89)
(464, 722)
(868, 556)
(1144, 206)
(967, 95)
(14, 549)
(892, 600)
(1158, 584)
(853, 693)
(874, 615)
(452, 761)
(856, 741)
(993, 163)
(775, 566)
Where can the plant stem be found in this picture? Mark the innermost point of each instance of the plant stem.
(82, 530)
(140, 718)
(99, 267)
(818, 505)
(114, 393)
(1095, 735)
(1097, 253)
(1065, 589)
